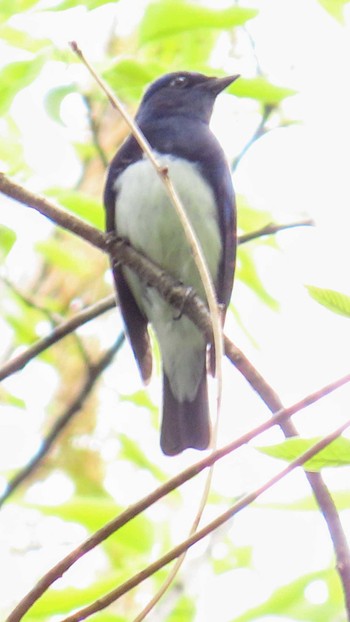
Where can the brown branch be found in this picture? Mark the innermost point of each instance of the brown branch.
(181, 548)
(64, 329)
(272, 229)
(93, 374)
(59, 216)
(137, 508)
(195, 309)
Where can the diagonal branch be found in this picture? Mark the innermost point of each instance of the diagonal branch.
(137, 508)
(194, 308)
(93, 374)
(66, 328)
(272, 228)
(181, 548)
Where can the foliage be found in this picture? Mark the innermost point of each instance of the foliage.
(335, 455)
(333, 300)
(103, 457)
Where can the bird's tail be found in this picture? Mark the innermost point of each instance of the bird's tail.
(185, 424)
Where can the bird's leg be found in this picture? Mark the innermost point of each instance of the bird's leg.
(188, 292)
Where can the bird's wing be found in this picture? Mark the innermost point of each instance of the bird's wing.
(225, 199)
(193, 140)
(135, 321)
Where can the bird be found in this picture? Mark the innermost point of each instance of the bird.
(174, 116)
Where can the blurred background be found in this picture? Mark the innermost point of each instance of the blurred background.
(81, 437)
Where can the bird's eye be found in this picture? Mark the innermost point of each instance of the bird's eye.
(179, 81)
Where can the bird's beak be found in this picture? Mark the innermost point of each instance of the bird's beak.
(216, 85)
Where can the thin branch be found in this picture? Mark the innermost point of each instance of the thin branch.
(181, 548)
(94, 131)
(137, 508)
(272, 229)
(191, 237)
(32, 304)
(66, 328)
(260, 131)
(94, 372)
(61, 217)
(196, 310)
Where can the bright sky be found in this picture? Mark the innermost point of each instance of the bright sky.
(294, 172)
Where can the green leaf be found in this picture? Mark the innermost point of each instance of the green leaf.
(53, 101)
(64, 601)
(247, 273)
(235, 557)
(249, 218)
(88, 4)
(21, 39)
(16, 76)
(11, 147)
(333, 300)
(8, 8)
(132, 452)
(129, 77)
(58, 255)
(289, 600)
(164, 19)
(24, 321)
(10, 399)
(335, 454)
(184, 610)
(260, 89)
(7, 240)
(341, 499)
(92, 512)
(83, 205)
(140, 398)
(335, 8)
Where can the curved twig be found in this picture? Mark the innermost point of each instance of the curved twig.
(93, 374)
(197, 311)
(137, 508)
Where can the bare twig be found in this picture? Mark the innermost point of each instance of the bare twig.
(194, 244)
(95, 131)
(195, 309)
(93, 374)
(272, 228)
(32, 304)
(260, 131)
(201, 265)
(64, 329)
(134, 510)
(181, 548)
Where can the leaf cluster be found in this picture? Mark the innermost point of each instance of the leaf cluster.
(68, 276)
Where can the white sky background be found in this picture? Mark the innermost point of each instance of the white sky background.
(300, 171)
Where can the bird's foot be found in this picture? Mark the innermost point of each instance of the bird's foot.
(188, 292)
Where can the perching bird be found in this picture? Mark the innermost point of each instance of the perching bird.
(174, 116)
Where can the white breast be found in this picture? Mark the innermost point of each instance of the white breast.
(145, 215)
(147, 218)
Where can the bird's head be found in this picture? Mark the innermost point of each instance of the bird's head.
(182, 93)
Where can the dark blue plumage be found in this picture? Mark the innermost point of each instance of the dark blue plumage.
(174, 115)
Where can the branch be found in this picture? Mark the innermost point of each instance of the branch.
(260, 131)
(59, 216)
(191, 237)
(195, 309)
(94, 372)
(32, 304)
(272, 229)
(181, 548)
(134, 510)
(64, 329)
(95, 131)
